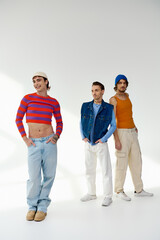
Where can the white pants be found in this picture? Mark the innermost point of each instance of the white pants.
(92, 153)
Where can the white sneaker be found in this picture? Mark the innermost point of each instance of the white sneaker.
(143, 194)
(106, 201)
(88, 197)
(123, 196)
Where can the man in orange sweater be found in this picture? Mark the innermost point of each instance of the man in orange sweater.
(126, 142)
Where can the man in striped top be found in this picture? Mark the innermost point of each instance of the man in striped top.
(41, 142)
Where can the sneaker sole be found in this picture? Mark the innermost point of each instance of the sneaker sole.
(29, 219)
(143, 195)
(127, 200)
(87, 200)
(103, 205)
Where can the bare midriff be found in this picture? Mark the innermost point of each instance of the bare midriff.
(38, 130)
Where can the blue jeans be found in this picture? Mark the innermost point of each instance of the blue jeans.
(41, 159)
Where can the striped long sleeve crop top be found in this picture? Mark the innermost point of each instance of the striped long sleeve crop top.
(39, 109)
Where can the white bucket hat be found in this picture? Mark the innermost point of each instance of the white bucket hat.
(40, 74)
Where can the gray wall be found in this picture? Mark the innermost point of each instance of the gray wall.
(76, 43)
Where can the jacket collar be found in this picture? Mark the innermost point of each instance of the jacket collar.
(101, 107)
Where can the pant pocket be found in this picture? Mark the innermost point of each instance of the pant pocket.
(120, 160)
(30, 146)
(120, 134)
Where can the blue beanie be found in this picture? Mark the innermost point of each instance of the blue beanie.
(119, 77)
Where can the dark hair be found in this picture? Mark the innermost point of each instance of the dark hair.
(48, 87)
(115, 88)
(99, 84)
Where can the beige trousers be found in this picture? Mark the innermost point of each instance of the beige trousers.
(130, 154)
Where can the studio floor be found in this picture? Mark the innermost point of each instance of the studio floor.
(68, 218)
(138, 219)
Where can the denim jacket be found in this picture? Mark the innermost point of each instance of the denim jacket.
(102, 121)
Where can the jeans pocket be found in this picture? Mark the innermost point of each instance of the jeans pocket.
(30, 146)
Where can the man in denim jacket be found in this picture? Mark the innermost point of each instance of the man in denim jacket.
(96, 117)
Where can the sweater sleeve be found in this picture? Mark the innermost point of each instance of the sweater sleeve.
(58, 118)
(111, 129)
(81, 130)
(20, 115)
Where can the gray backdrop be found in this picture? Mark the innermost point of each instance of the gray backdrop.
(75, 43)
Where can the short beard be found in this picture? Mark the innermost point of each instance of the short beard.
(122, 91)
